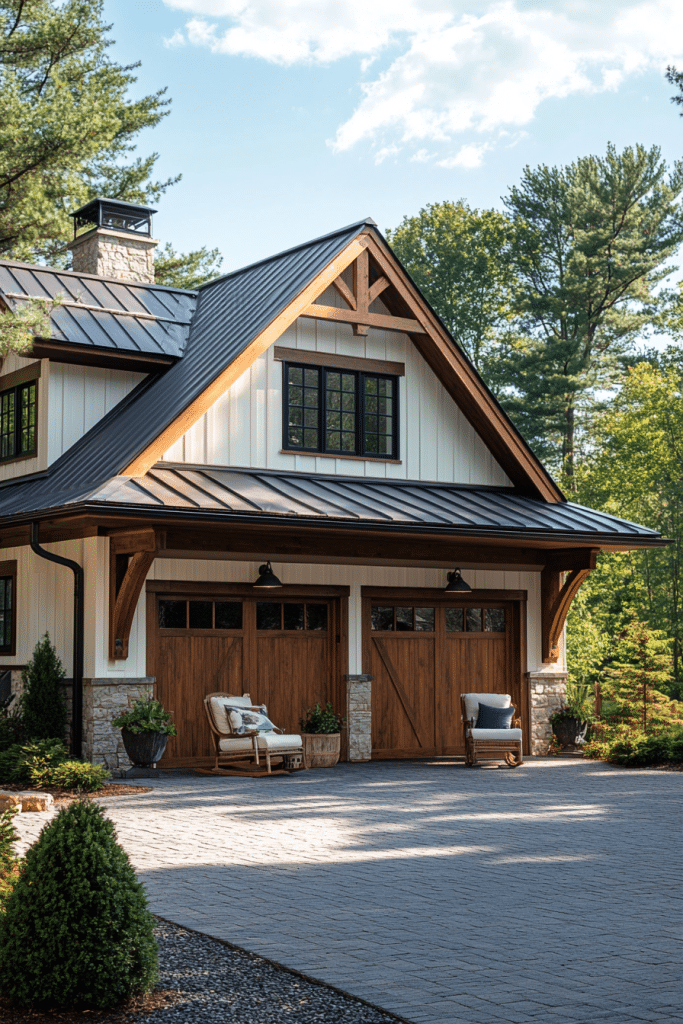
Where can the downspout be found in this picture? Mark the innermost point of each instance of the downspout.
(77, 689)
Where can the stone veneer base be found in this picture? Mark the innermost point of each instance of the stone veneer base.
(359, 716)
(547, 692)
(104, 699)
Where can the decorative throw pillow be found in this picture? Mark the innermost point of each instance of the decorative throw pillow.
(235, 719)
(250, 719)
(494, 718)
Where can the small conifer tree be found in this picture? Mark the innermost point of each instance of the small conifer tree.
(43, 704)
(641, 670)
(76, 932)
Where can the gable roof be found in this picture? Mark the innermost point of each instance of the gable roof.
(236, 318)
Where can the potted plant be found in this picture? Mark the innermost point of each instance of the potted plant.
(570, 722)
(145, 729)
(321, 735)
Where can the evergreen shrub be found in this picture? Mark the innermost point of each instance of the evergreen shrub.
(9, 865)
(43, 703)
(31, 763)
(78, 775)
(76, 932)
(11, 723)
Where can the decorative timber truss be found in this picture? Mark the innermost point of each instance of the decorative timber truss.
(359, 298)
(131, 553)
(561, 578)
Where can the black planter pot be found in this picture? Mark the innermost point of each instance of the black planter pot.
(144, 748)
(570, 732)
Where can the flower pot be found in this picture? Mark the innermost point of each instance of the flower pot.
(321, 750)
(144, 748)
(570, 732)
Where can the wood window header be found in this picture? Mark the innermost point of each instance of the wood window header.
(22, 376)
(295, 355)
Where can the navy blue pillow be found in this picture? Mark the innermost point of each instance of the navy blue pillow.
(494, 718)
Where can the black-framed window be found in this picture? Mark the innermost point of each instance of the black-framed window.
(8, 590)
(340, 412)
(19, 421)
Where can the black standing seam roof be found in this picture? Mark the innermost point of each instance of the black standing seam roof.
(251, 495)
(231, 311)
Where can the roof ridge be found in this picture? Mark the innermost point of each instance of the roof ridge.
(368, 221)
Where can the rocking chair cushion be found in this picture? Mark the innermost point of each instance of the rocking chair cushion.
(273, 741)
(504, 735)
(494, 700)
(220, 708)
(490, 717)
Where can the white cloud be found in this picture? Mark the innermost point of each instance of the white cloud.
(457, 76)
(177, 39)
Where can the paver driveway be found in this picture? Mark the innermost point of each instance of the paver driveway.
(446, 895)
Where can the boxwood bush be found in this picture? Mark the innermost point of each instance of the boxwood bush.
(46, 763)
(76, 932)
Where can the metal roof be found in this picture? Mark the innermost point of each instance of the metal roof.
(219, 494)
(231, 311)
(104, 313)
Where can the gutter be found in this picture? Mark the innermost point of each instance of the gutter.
(78, 639)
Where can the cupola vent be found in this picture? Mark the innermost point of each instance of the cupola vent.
(114, 239)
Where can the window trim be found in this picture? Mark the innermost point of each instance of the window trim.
(9, 570)
(359, 374)
(17, 388)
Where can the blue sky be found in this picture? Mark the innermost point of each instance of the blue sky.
(293, 117)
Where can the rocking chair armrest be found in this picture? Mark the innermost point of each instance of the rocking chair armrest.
(469, 723)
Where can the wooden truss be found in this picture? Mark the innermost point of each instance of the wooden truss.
(557, 593)
(359, 301)
(131, 553)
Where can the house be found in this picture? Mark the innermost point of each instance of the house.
(305, 421)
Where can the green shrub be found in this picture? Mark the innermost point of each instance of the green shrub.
(638, 749)
(79, 775)
(76, 932)
(31, 762)
(43, 704)
(8, 837)
(11, 723)
(321, 719)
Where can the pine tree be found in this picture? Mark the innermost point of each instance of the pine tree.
(636, 677)
(76, 932)
(43, 703)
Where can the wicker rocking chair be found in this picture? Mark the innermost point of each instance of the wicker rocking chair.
(490, 743)
(243, 733)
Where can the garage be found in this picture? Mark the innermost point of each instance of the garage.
(425, 648)
(286, 647)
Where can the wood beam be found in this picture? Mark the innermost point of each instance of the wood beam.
(352, 316)
(377, 288)
(345, 292)
(361, 284)
(127, 576)
(556, 598)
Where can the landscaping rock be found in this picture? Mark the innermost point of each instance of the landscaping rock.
(36, 801)
(9, 800)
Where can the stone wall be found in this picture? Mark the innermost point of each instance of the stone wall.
(547, 692)
(116, 254)
(359, 716)
(104, 699)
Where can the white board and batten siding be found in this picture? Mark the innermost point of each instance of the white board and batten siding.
(244, 427)
(71, 400)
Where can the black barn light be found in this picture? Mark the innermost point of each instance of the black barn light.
(456, 582)
(267, 578)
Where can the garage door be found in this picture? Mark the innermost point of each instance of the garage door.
(423, 652)
(283, 649)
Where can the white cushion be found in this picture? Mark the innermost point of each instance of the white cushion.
(272, 741)
(504, 735)
(494, 700)
(220, 715)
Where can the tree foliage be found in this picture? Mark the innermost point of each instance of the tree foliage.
(67, 125)
(186, 270)
(675, 77)
(461, 260)
(76, 932)
(638, 674)
(43, 704)
(593, 241)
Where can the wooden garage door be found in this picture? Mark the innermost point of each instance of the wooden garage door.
(283, 650)
(424, 652)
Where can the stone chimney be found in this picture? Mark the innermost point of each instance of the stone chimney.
(113, 239)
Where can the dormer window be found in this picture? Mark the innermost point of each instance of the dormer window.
(18, 421)
(334, 411)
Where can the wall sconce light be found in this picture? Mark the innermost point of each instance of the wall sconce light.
(267, 578)
(456, 582)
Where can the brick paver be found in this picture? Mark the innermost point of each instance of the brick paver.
(550, 894)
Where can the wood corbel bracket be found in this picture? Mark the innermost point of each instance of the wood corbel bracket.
(556, 600)
(131, 554)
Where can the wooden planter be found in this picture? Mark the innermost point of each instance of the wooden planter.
(321, 750)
